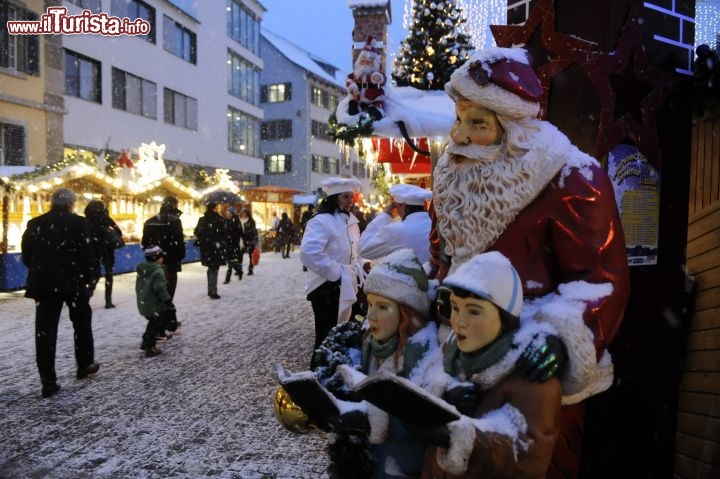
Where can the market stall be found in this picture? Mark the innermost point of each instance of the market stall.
(132, 196)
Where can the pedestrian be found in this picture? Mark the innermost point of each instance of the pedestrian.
(274, 225)
(210, 234)
(166, 231)
(511, 183)
(305, 217)
(233, 243)
(286, 232)
(383, 235)
(57, 252)
(106, 237)
(249, 238)
(509, 424)
(153, 299)
(329, 249)
(398, 336)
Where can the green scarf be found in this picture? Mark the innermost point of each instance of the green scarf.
(476, 363)
(374, 349)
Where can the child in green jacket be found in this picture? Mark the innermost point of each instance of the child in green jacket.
(153, 300)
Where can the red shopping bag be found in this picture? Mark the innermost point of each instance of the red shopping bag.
(255, 257)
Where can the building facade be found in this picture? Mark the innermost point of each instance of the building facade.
(191, 83)
(299, 92)
(31, 95)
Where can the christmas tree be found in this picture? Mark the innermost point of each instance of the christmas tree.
(435, 46)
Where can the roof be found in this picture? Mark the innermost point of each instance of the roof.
(306, 60)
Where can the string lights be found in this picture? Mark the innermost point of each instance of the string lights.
(479, 14)
(707, 22)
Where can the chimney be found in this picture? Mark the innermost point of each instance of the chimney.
(372, 18)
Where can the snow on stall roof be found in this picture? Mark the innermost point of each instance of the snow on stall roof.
(305, 59)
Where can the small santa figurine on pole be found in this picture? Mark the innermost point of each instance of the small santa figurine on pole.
(365, 83)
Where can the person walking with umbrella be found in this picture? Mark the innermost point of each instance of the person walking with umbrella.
(210, 234)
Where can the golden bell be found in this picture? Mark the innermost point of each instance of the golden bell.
(290, 414)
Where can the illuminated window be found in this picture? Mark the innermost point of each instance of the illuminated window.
(278, 163)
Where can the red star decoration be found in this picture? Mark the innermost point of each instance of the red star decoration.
(628, 61)
(566, 49)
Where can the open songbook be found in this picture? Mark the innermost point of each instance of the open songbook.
(305, 391)
(401, 398)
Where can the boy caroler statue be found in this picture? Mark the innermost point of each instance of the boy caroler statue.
(509, 424)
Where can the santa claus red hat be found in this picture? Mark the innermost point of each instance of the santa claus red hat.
(369, 44)
(500, 79)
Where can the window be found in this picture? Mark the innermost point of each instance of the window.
(278, 163)
(243, 79)
(134, 94)
(320, 130)
(134, 9)
(178, 40)
(92, 5)
(12, 145)
(358, 169)
(82, 77)
(317, 97)
(18, 52)
(242, 26)
(276, 130)
(180, 110)
(243, 132)
(317, 163)
(277, 93)
(324, 164)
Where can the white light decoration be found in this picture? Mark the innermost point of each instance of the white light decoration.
(707, 22)
(479, 14)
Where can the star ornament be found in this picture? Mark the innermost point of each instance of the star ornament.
(558, 49)
(631, 90)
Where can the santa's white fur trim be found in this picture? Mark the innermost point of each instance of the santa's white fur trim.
(584, 375)
(462, 441)
(379, 425)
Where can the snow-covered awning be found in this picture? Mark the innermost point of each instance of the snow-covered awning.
(304, 199)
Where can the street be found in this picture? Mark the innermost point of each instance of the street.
(203, 408)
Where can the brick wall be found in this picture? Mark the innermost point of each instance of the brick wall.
(371, 21)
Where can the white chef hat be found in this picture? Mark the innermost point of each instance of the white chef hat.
(410, 194)
(334, 186)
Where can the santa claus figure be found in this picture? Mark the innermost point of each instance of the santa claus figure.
(511, 183)
(365, 83)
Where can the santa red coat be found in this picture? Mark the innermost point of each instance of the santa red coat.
(571, 232)
(369, 92)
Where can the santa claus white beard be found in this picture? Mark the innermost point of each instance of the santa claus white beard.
(477, 196)
(361, 70)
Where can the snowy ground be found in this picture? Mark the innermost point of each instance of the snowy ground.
(204, 408)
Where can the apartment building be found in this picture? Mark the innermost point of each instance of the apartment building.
(298, 93)
(31, 95)
(191, 83)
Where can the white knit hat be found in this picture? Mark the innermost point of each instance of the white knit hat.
(490, 276)
(410, 194)
(400, 277)
(334, 186)
(500, 79)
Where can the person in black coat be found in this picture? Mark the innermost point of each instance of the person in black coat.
(106, 237)
(166, 231)
(210, 234)
(249, 237)
(57, 252)
(286, 233)
(233, 239)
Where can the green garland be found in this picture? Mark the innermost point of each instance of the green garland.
(348, 134)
